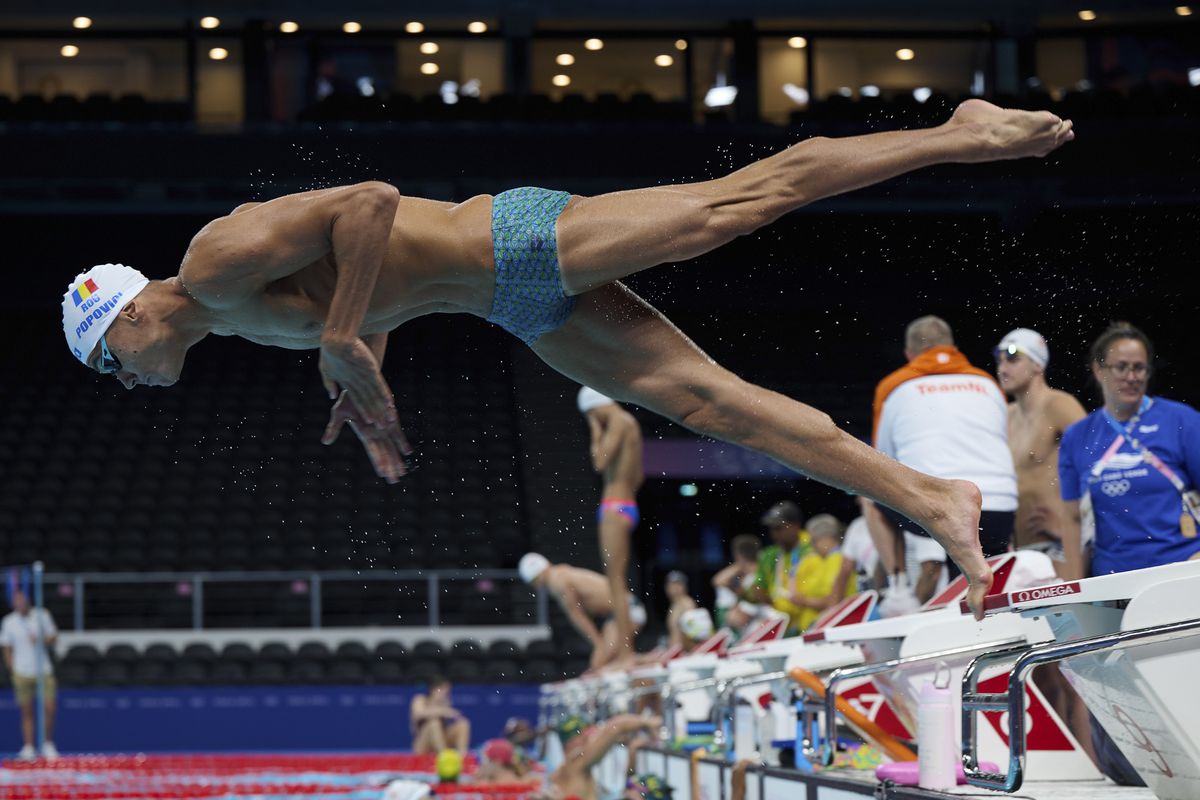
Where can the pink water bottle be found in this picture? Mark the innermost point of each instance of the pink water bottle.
(935, 733)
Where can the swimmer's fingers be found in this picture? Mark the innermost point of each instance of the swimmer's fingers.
(398, 438)
(385, 458)
(372, 396)
(331, 387)
(389, 464)
(342, 411)
(333, 429)
(384, 404)
(387, 447)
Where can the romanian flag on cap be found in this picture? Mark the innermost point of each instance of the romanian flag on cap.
(84, 290)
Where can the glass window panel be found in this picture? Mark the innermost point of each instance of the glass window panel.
(947, 66)
(624, 67)
(476, 66)
(782, 71)
(712, 66)
(156, 70)
(219, 83)
(1061, 64)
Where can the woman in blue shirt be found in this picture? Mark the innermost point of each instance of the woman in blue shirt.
(1137, 459)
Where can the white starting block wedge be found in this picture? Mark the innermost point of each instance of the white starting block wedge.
(826, 648)
(623, 687)
(699, 670)
(1128, 644)
(753, 664)
(904, 653)
(685, 683)
(872, 646)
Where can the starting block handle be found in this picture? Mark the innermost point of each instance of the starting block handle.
(973, 702)
(1026, 658)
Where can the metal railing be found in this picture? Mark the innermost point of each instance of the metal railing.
(724, 708)
(828, 748)
(195, 583)
(1012, 701)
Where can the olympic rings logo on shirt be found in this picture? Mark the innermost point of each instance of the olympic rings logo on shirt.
(1115, 488)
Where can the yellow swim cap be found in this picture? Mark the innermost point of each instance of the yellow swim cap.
(449, 765)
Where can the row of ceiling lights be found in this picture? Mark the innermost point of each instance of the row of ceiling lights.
(563, 59)
(290, 26)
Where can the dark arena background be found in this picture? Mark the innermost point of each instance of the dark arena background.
(244, 610)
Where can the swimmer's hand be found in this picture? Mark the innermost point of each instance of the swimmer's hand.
(1001, 133)
(386, 446)
(350, 365)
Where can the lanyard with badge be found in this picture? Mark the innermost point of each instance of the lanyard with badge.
(782, 588)
(1191, 500)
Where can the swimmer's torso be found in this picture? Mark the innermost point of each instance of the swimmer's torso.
(1034, 441)
(623, 475)
(438, 260)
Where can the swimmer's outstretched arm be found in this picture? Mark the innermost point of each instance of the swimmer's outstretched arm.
(234, 258)
(572, 606)
(612, 732)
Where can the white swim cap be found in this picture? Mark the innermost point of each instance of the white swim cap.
(590, 398)
(1028, 343)
(532, 565)
(92, 302)
(696, 624)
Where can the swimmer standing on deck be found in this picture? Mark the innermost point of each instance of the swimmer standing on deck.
(338, 269)
(616, 450)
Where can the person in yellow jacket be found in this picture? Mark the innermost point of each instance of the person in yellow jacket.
(823, 578)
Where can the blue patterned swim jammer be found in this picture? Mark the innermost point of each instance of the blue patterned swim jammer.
(529, 299)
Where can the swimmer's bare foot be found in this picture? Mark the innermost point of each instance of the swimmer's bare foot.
(1003, 133)
(955, 524)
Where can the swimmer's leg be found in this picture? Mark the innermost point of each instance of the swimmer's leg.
(431, 737)
(605, 238)
(616, 530)
(459, 735)
(605, 652)
(618, 344)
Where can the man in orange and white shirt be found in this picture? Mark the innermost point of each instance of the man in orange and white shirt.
(943, 416)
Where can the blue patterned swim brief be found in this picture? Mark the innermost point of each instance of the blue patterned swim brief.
(529, 299)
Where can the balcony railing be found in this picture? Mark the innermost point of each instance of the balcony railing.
(296, 599)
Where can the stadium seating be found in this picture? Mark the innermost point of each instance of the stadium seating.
(313, 663)
(227, 473)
